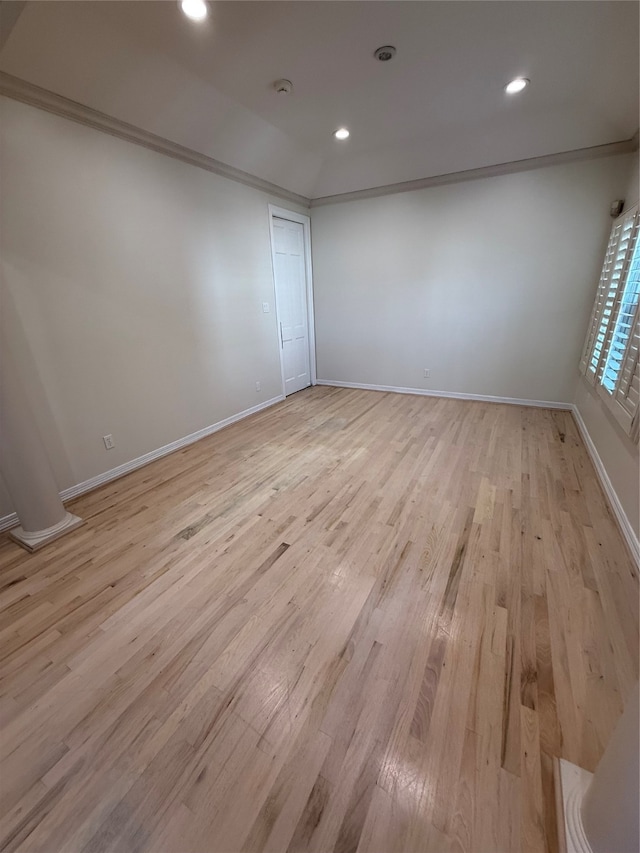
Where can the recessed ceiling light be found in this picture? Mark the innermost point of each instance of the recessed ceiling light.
(516, 86)
(194, 9)
(341, 133)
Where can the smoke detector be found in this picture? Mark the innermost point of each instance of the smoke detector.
(283, 87)
(385, 53)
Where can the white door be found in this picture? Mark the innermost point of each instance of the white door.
(291, 297)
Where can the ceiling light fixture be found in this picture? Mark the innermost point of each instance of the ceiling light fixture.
(196, 10)
(516, 85)
(341, 133)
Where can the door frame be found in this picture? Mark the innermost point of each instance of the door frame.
(305, 221)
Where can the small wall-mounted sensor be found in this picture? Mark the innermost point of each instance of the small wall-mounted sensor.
(283, 87)
(616, 208)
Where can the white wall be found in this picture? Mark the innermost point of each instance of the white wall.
(132, 292)
(632, 193)
(487, 283)
(618, 453)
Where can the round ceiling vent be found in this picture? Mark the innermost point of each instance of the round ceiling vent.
(283, 87)
(385, 53)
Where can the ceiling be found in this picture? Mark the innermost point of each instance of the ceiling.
(438, 107)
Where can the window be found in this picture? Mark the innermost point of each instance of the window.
(610, 356)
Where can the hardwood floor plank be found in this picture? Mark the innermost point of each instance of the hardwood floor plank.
(356, 621)
(533, 823)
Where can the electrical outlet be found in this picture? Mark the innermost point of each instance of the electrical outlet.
(265, 307)
(427, 373)
(258, 386)
(109, 443)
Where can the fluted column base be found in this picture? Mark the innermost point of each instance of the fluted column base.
(572, 783)
(33, 541)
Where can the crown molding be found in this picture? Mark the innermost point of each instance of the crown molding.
(625, 146)
(35, 96)
(44, 99)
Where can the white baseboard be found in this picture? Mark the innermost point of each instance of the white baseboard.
(626, 529)
(8, 521)
(454, 395)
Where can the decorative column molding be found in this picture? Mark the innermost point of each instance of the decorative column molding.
(33, 541)
(25, 468)
(598, 812)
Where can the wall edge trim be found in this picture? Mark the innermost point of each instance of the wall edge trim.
(11, 520)
(628, 534)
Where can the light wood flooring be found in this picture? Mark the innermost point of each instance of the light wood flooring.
(354, 622)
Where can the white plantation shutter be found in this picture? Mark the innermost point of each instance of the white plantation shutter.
(621, 372)
(615, 261)
(591, 354)
(610, 355)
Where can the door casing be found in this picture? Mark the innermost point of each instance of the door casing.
(305, 221)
